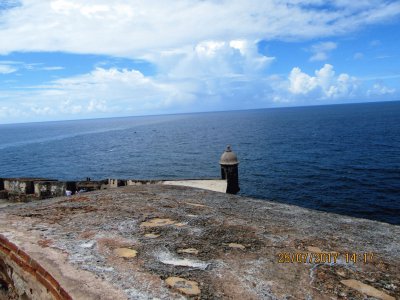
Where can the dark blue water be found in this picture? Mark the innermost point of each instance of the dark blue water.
(342, 158)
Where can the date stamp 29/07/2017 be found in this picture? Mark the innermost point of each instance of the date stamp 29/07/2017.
(325, 257)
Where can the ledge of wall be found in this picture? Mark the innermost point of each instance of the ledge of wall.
(23, 277)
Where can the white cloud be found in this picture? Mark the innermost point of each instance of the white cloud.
(323, 85)
(42, 110)
(97, 106)
(214, 59)
(301, 83)
(138, 28)
(7, 69)
(102, 92)
(204, 76)
(379, 89)
(321, 50)
(109, 92)
(6, 112)
(53, 68)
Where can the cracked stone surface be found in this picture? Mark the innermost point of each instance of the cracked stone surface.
(172, 242)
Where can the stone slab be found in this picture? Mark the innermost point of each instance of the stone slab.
(211, 185)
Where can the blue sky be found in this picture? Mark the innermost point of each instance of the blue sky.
(70, 59)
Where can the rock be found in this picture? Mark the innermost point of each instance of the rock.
(236, 245)
(157, 222)
(314, 249)
(151, 235)
(125, 252)
(196, 205)
(87, 245)
(187, 287)
(189, 251)
(341, 273)
(170, 259)
(366, 289)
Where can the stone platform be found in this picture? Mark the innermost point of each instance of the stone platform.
(217, 185)
(173, 242)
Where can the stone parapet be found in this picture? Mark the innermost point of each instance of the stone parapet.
(24, 277)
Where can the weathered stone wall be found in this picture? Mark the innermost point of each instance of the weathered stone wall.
(49, 189)
(113, 183)
(6, 184)
(22, 186)
(91, 185)
(142, 182)
(71, 186)
(3, 194)
(27, 189)
(21, 277)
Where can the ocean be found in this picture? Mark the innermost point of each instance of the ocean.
(335, 158)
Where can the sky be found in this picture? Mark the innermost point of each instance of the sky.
(71, 59)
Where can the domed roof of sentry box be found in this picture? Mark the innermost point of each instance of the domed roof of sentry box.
(228, 157)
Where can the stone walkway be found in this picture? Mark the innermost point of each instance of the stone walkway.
(172, 242)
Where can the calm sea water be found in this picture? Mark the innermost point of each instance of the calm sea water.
(342, 158)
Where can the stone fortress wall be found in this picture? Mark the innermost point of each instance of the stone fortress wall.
(28, 189)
